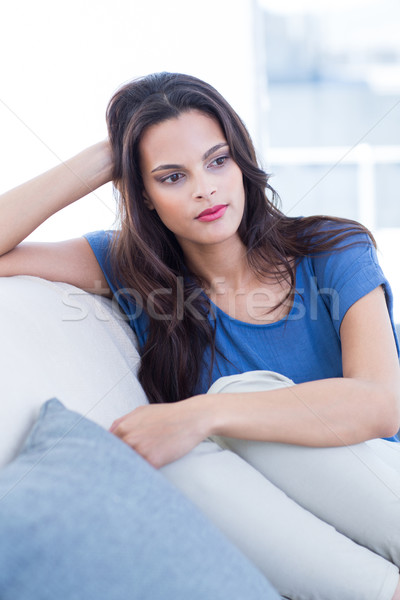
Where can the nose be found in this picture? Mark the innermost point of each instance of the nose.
(204, 189)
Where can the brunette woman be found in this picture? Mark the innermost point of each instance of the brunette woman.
(217, 282)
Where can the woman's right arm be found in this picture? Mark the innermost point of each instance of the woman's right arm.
(27, 206)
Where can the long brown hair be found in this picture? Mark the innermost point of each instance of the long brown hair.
(146, 256)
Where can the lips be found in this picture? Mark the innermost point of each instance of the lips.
(214, 210)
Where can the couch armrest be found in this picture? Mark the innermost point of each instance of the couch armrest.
(59, 341)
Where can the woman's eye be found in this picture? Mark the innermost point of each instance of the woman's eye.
(173, 178)
(220, 161)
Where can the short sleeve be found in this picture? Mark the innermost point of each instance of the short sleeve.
(100, 242)
(348, 273)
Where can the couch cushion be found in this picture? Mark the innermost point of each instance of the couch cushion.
(59, 341)
(83, 517)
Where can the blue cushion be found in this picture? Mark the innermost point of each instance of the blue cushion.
(83, 517)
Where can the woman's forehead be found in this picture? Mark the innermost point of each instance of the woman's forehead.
(191, 134)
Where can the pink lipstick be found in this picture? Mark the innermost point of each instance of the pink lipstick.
(211, 214)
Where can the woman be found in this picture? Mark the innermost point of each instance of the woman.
(216, 281)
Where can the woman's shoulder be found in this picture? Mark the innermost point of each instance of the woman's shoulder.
(102, 238)
(339, 252)
(322, 234)
(345, 263)
(341, 244)
(101, 243)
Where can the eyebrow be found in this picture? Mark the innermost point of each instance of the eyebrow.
(204, 157)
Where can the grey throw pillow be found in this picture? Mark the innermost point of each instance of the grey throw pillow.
(83, 517)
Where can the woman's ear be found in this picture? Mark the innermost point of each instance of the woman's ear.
(147, 202)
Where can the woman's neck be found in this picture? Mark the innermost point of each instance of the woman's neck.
(217, 265)
(231, 284)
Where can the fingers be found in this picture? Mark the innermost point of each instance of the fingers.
(115, 424)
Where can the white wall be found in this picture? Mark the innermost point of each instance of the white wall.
(61, 62)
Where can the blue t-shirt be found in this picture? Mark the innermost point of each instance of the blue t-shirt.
(305, 345)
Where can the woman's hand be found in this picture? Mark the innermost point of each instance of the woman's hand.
(162, 433)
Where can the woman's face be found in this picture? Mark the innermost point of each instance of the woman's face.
(191, 180)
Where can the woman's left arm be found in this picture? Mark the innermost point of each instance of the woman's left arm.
(361, 405)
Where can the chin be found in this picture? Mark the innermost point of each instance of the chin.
(222, 236)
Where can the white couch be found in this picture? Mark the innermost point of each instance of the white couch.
(58, 341)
